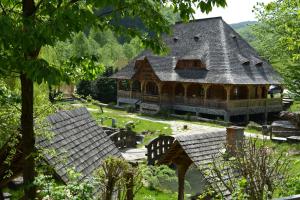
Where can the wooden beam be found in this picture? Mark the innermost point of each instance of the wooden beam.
(181, 179)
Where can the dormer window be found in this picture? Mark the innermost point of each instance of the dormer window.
(243, 59)
(196, 37)
(189, 64)
(257, 62)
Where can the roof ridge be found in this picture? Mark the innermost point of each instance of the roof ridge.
(196, 20)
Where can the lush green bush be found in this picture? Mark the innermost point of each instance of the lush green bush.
(84, 88)
(74, 190)
(161, 178)
(103, 88)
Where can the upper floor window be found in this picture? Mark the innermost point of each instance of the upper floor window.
(189, 64)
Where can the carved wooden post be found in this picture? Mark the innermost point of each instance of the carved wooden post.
(142, 89)
(130, 89)
(118, 82)
(205, 88)
(266, 103)
(248, 103)
(227, 87)
(159, 85)
(181, 177)
(185, 92)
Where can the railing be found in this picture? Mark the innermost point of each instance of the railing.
(123, 93)
(151, 98)
(194, 101)
(179, 99)
(210, 103)
(123, 139)
(274, 101)
(215, 104)
(158, 147)
(136, 95)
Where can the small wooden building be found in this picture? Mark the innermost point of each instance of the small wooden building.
(199, 150)
(210, 70)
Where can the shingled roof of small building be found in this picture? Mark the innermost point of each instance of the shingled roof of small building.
(201, 149)
(78, 142)
(228, 58)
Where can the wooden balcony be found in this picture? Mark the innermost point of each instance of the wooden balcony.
(123, 94)
(199, 102)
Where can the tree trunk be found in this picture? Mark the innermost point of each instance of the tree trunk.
(1, 194)
(28, 137)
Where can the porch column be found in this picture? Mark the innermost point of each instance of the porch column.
(249, 87)
(142, 89)
(205, 88)
(181, 176)
(159, 85)
(185, 85)
(227, 88)
(118, 87)
(130, 88)
(266, 103)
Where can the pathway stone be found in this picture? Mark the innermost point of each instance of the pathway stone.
(134, 154)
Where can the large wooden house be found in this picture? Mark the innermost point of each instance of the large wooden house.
(210, 70)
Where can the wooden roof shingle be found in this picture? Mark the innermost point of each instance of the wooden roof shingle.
(78, 142)
(228, 58)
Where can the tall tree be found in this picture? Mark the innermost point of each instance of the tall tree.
(278, 38)
(28, 25)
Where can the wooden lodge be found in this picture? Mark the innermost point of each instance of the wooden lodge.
(209, 70)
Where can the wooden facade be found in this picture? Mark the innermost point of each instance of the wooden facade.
(215, 99)
(210, 71)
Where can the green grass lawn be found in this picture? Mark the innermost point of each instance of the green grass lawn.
(147, 194)
(295, 107)
(122, 117)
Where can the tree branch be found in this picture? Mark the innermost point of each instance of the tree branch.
(3, 10)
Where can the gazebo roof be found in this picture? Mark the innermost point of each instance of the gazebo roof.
(199, 149)
(227, 57)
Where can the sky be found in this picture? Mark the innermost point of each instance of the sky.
(235, 11)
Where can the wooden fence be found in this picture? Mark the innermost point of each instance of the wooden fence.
(158, 147)
(121, 137)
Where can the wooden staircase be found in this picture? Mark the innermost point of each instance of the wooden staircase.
(149, 108)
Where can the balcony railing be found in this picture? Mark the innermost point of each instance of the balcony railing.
(210, 103)
(123, 93)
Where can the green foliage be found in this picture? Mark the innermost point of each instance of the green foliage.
(252, 170)
(84, 88)
(147, 194)
(277, 38)
(161, 178)
(130, 108)
(114, 178)
(76, 189)
(104, 89)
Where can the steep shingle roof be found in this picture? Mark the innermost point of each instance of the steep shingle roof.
(229, 59)
(78, 142)
(201, 147)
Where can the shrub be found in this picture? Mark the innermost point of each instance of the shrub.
(75, 189)
(118, 176)
(84, 88)
(130, 109)
(165, 112)
(104, 89)
(161, 178)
